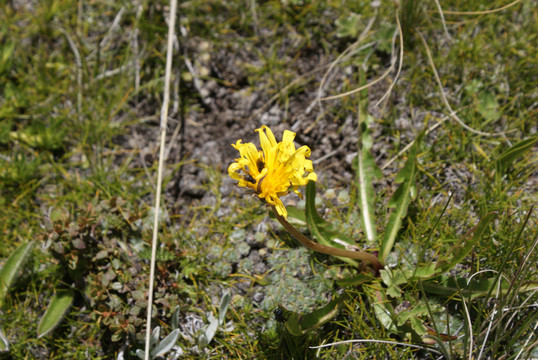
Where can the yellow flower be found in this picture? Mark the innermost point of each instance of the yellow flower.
(270, 172)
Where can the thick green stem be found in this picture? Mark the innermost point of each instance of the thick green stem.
(329, 250)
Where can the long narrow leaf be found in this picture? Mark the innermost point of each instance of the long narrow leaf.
(323, 231)
(299, 324)
(58, 307)
(12, 266)
(506, 158)
(467, 243)
(451, 287)
(224, 303)
(4, 343)
(401, 199)
(166, 345)
(367, 170)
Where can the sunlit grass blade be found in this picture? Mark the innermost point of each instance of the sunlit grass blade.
(401, 199)
(508, 327)
(467, 243)
(4, 343)
(12, 266)
(506, 158)
(367, 170)
(461, 286)
(58, 307)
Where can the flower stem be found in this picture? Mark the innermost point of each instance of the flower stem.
(329, 250)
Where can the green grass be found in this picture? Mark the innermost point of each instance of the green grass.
(79, 109)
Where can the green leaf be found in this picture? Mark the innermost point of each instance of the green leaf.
(383, 310)
(320, 316)
(322, 230)
(224, 303)
(58, 307)
(354, 281)
(166, 345)
(155, 335)
(141, 354)
(467, 243)
(348, 26)
(507, 158)
(394, 278)
(418, 325)
(212, 328)
(296, 216)
(175, 318)
(401, 199)
(463, 287)
(367, 170)
(488, 106)
(424, 272)
(4, 343)
(300, 324)
(12, 266)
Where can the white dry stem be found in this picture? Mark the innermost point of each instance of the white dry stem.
(377, 341)
(531, 334)
(295, 81)
(106, 39)
(440, 9)
(470, 326)
(360, 88)
(387, 93)
(483, 12)
(342, 57)
(493, 313)
(136, 50)
(433, 127)
(164, 119)
(523, 265)
(116, 71)
(452, 113)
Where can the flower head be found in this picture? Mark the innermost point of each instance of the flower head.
(270, 172)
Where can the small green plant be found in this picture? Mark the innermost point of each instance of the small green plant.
(397, 292)
(208, 332)
(12, 267)
(159, 348)
(92, 248)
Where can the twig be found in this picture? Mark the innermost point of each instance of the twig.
(164, 119)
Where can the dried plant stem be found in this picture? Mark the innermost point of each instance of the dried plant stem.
(400, 63)
(452, 113)
(484, 12)
(164, 118)
(358, 255)
(427, 348)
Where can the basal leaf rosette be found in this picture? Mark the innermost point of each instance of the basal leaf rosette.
(273, 170)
